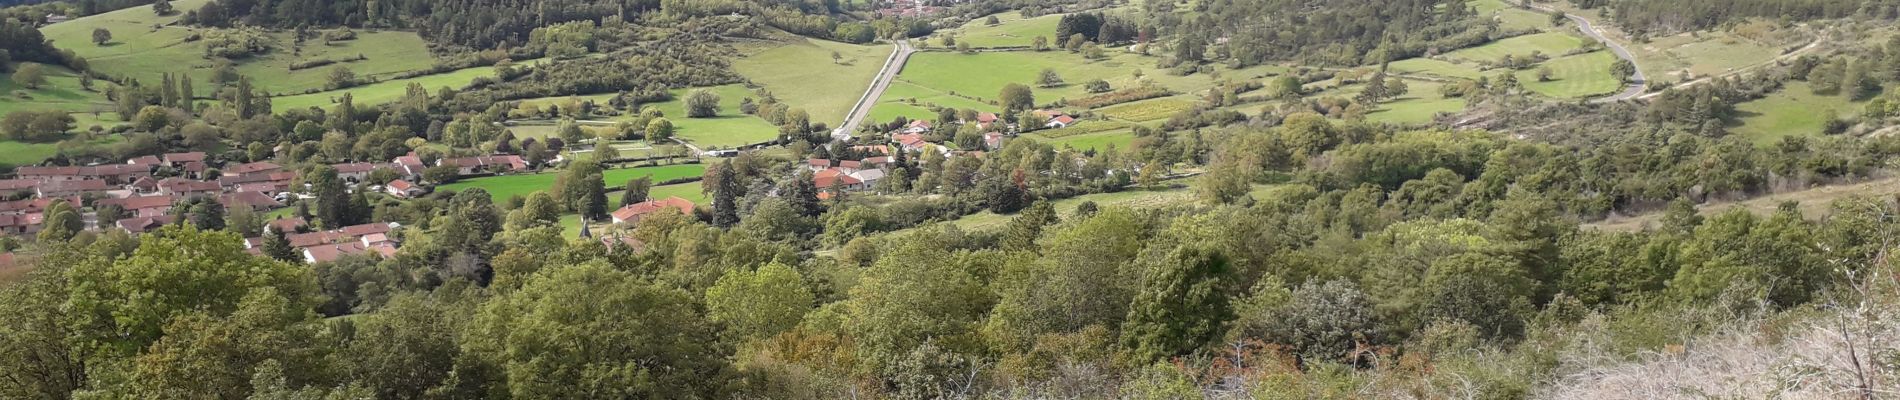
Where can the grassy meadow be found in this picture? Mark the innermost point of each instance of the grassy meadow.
(140, 51)
(506, 186)
(1550, 44)
(1012, 30)
(1578, 76)
(801, 72)
(1793, 111)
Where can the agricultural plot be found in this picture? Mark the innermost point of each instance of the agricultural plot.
(1793, 111)
(1577, 76)
(1551, 44)
(61, 92)
(1148, 110)
(506, 186)
(801, 72)
(1435, 67)
(140, 51)
(1011, 31)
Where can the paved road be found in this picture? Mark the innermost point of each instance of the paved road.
(892, 65)
(1637, 80)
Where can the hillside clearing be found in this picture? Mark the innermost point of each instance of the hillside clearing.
(801, 72)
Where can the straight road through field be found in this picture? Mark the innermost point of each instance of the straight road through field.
(892, 66)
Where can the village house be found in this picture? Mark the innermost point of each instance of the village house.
(993, 141)
(180, 159)
(916, 126)
(377, 243)
(255, 200)
(147, 161)
(21, 224)
(484, 164)
(72, 188)
(402, 189)
(137, 225)
(632, 213)
(111, 173)
(146, 206)
(356, 172)
(175, 186)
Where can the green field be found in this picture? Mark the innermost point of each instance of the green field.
(801, 73)
(729, 129)
(1793, 111)
(1577, 76)
(139, 51)
(1012, 31)
(505, 186)
(1551, 44)
(1428, 66)
(61, 92)
(22, 153)
(898, 97)
(385, 91)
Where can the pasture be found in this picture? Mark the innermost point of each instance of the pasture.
(505, 186)
(801, 72)
(61, 92)
(1420, 103)
(1793, 111)
(1120, 138)
(899, 97)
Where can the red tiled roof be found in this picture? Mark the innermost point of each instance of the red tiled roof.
(17, 184)
(633, 212)
(140, 203)
(356, 168)
(188, 157)
(826, 179)
(146, 160)
(256, 167)
(83, 185)
(255, 200)
(144, 224)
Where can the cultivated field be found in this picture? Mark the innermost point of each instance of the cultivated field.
(1149, 110)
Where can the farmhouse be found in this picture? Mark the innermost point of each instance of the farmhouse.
(402, 189)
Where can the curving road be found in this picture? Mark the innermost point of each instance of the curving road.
(892, 65)
(1637, 80)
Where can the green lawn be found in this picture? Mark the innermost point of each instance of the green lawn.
(503, 187)
(1417, 106)
(1793, 111)
(61, 92)
(1577, 76)
(800, 71)
(139, 51)
(15, 154)
(1550, 44)
(1012, 30)
(1427, 66)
